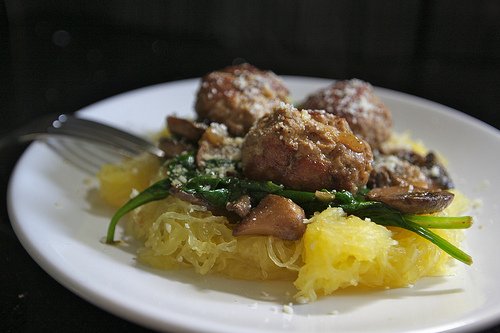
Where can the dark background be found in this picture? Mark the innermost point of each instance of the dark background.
(59, 56)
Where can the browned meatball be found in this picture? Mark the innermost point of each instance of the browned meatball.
(237, 96)
(355, 101)
(306, 150)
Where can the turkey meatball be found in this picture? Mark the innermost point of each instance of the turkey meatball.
(355, 101)
(306, 150)
(237, 96)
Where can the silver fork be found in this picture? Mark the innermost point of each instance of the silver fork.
(79, 128)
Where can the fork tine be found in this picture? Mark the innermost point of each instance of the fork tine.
(104, 133)
(76, 127)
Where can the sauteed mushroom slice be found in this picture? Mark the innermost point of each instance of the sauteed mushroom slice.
(187, 129)
(412, 200)
(434, 170)
(274, 216)
(240, 206)
(173, 147)
(197, 199)
(216, 143)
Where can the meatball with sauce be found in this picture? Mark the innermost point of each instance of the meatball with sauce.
(306, 150)
(237, 96)
(355, 101)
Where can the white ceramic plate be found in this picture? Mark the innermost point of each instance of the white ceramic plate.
(56, 217)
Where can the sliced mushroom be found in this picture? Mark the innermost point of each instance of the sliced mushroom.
(240, 206)
(403, 167)
(412, 200)
(187, 129)
(391, 170)
(173, 147)
(274, 216)
(437, 173)
(196, 199)
(215, 143)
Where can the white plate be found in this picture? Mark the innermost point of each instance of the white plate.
(53, 210)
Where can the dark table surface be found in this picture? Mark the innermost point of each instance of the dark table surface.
(62, 57)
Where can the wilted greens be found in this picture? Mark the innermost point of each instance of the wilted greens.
(220, 191)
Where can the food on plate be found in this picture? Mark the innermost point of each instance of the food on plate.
(411, 199)
(403, 167)
(306, 150)
(294, 194)
(355, 101)
(263, 220)
(117, 180)
(237, 96)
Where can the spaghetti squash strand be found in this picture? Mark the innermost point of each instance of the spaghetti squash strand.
(290, 263)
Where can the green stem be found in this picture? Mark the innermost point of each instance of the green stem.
(441, 222)
(387, 216)
(157, 191)
(220, 191)
(446, 246)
